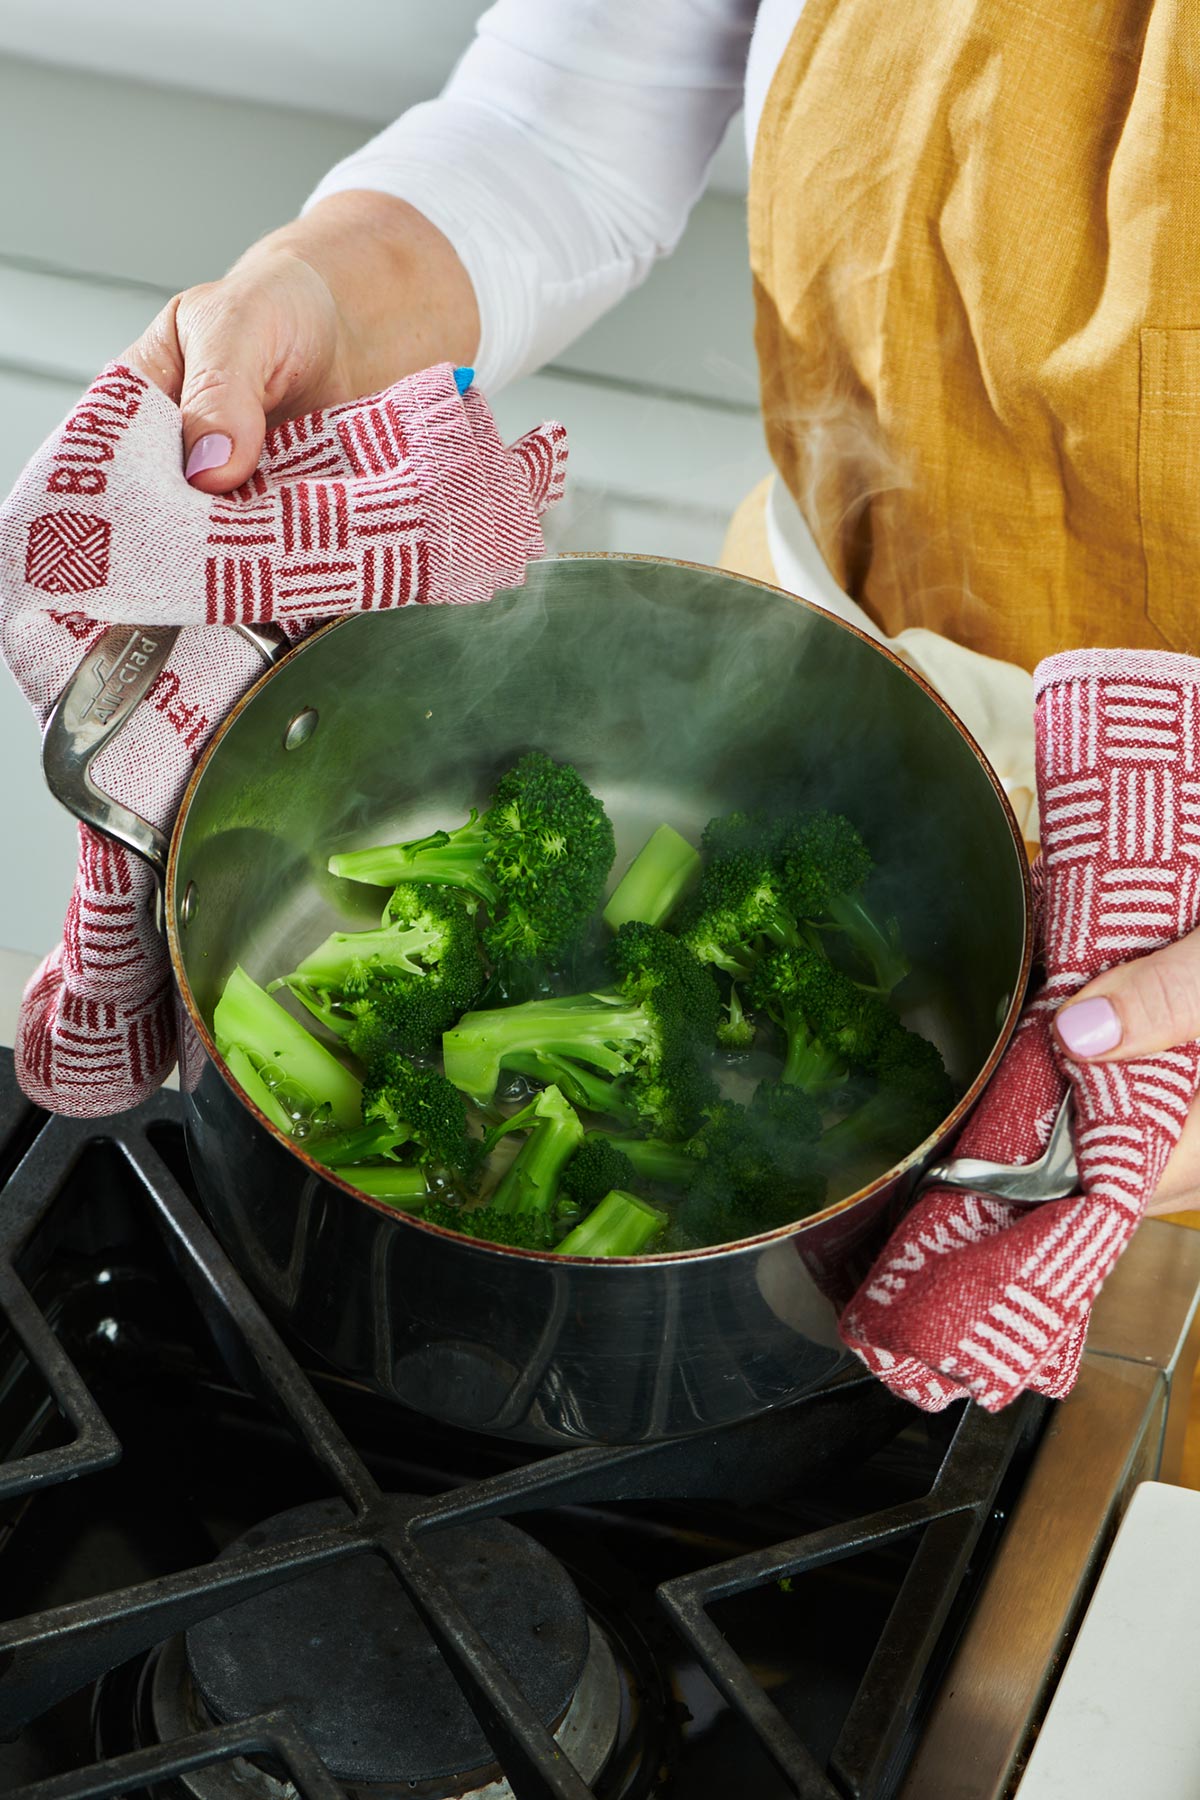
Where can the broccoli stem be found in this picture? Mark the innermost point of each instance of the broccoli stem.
(280, 1049)
(877, 943)
(530, 1183)
(390, 1181)
(331, 962)
(444, 858)
(256, 1089)
(583, 1027)
(735, 1031)
(809, 1065)
(619, 1225)
(655, 881)
(357, 1145)
(655, 1160)
(319, 1005)
(582, 1086)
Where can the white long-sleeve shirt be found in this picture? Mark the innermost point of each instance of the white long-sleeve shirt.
(568, 148)
(561, 160)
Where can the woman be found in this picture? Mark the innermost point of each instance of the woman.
(973, 298)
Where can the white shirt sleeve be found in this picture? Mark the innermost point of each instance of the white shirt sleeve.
(563, 157)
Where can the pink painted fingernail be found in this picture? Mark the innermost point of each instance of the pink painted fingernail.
(1089, 1028)
(211, 451)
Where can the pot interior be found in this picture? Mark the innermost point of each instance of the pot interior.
(678, 692)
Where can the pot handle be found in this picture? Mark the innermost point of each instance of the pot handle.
(113, 677)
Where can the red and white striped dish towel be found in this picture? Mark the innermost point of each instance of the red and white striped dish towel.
(974, 1296)
(405, 498)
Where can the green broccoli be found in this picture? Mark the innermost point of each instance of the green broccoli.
(399, 986)
(294, 1080)
(633, 1051)
(400, 1184)
(831, 1025)
(739, 909)
(596, 1167)
(654, 1159)
(791, 1121)
(405, 1107)
(912, 1097)
(735, 1030)
(538, 858)
(824, 864)
(524, 1211)
(655, 881)
(620, 1225)
(756, 1170)
(779, 882)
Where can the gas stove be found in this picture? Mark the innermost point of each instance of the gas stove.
(227, 1572)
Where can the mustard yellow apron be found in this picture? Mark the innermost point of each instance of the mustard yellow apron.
(973, 235)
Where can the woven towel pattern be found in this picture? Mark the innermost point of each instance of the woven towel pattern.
(406, 498)
(982, 1297)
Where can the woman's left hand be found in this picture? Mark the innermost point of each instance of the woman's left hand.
(1138, 1009)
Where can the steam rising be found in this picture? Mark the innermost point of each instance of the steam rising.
(678, 693)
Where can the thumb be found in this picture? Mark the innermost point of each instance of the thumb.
(1137, 1009)
(222, 398)
(210, 362)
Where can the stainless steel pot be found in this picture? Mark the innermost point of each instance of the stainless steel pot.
(679, 692)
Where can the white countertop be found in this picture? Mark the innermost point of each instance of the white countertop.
(1123, 1723)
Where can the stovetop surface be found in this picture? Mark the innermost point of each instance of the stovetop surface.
(757, 1637)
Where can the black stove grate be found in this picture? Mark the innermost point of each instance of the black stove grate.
(53, 1653)
(272, 1737)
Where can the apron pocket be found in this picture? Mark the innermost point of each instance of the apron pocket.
(1169, 482)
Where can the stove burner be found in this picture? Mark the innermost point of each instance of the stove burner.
(342, 1648)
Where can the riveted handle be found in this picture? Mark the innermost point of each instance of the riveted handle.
(112, 678)
(1053, 1176)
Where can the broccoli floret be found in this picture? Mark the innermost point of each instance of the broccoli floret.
(753, 1174)
(620, 1225)
(399, 986)
(294, 1080)
(633, 1051)
(739, 910)
(408, 1108)
(655, 881)
(407, 1096)
(519, 1231)
(913, 1096)
(538, 859)
(778, 881)
(603, 1162)
(552, 848)
(791, 1122)
(824, 863)
(832, 1025)
(524, 1210)
(739, 833)
(596, 1167)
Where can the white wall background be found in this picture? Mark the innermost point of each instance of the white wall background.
(145, 144)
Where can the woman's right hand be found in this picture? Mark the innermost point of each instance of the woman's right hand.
(343, 302)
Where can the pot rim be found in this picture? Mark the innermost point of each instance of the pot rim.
(403, 1220)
